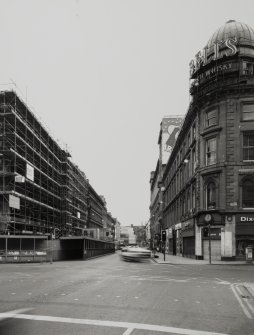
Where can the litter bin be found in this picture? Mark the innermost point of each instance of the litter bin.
(249, 254)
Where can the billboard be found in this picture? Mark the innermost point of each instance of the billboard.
(14, 202)
(170, 127)
(29, 172)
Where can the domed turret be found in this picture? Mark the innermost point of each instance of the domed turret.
(233, 39)
(237, 31)
(232, 29)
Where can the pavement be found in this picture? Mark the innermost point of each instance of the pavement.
(179, 260)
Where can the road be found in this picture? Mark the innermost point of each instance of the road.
(108, 296)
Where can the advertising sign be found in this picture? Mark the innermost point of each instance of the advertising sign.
(29, 172)
(170, 127)
(14, 202)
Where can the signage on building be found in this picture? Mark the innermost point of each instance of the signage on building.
(170, 232)
(220, 49)
(170, 127)
(29, 172)
(14, 202)
(178, 226)
(229, 67)
(19, 179)
(187, 224)
(247, 219)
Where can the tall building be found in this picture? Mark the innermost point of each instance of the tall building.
(169, 130)
(209, 177)
(42, 192)
(32, 172)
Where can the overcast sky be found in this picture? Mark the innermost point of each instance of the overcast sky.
(102, 74)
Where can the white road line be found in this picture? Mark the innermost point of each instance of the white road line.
(128, 331)
(15, 311)
(245, 310)
(115, 324)
(245, 300)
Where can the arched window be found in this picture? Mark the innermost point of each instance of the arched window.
(248, 193)
(210, 195)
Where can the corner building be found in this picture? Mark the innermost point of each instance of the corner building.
(211, 168)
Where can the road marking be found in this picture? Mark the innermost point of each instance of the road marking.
(16, 311)
(128, 331)
(245, 299)
(245, 310)
(128, 325)
(76, 299)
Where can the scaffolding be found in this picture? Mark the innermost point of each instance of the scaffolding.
(41, 191)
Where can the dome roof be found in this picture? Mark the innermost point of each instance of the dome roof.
(231, 29)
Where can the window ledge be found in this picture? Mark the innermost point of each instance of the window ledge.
(212, 129)
(246, 171)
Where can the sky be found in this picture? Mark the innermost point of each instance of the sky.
(101, 75)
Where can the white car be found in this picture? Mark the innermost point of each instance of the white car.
(135, 254)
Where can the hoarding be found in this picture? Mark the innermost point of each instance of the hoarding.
(14, 202)
(29, 172)
(170, 127)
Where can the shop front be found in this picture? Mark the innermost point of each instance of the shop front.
(171, 241)
(244, 234)
(188, 236)
(209, 228)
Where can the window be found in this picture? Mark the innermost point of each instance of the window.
(248, 194)
(247, 68)
(194, 163)
(193, 197)
(210, 195)
(211, 118)
(189, 141)
(194, 132)
(211, 151)
(248, 146)
(248, 112)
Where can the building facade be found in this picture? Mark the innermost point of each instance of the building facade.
(209, 177)
(169, 130)
(42, 192)
(33, 172)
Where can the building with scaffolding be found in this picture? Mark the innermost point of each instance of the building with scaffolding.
(33, 173)
(42, 191)
(43, 194)
(208, 198)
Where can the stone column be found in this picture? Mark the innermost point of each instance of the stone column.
(228, 239)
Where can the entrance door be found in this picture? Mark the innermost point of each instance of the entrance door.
(215, 249)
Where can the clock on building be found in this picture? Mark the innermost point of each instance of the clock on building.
(208, 218)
